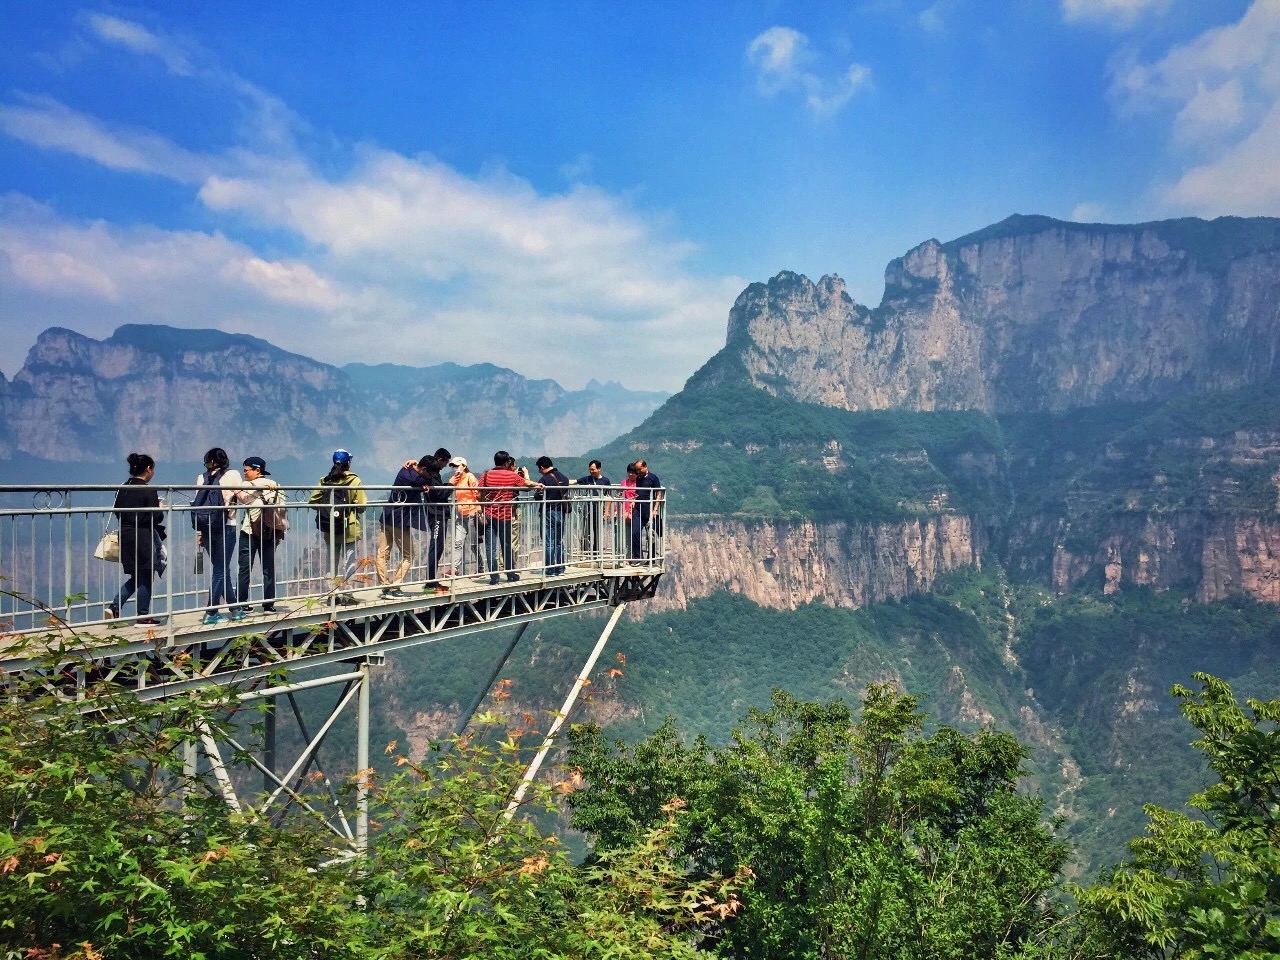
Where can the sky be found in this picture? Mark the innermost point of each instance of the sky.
(580, 190)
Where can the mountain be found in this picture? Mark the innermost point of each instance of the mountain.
(1031, 314)
(1037, 485)
(175, 393)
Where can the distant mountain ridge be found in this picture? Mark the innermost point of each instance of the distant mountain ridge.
(1030, 314)
(175, 393)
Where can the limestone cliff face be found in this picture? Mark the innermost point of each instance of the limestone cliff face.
(1029, 314)
(783, 564)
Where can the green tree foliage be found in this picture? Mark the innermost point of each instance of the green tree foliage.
(107, 849)
(1207, 886)
(865, 838)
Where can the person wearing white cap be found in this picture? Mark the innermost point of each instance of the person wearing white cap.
(466, 524)
(257, 538)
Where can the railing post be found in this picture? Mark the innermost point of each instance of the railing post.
(362, 763)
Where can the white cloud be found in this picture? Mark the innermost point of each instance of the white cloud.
(1089, 212)
(138, 39)
(783, 58)
(1121, 13)
(1222, 91)
(43, 122)
(404, 259)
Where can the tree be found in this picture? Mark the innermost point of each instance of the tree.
(109, 849)
(865, 838)
(1206, 886)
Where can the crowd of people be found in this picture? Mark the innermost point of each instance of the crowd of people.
(464, 525)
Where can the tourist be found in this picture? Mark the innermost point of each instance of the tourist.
(403, 514)
(142, 532)
(554, 494)
(646, 528)
(595, 507)
(257, 539)
(340, 501)
(467, 519)
(213, 517)
(498, 490)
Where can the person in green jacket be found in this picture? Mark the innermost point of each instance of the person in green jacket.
(340, 502)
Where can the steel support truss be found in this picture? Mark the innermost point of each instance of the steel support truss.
(265, 667)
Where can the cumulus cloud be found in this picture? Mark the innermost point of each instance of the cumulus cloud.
(785, 63)
(1222, 93)
(1121, 13)
(402, 258)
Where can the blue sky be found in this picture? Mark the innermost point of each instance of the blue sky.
(581, 190)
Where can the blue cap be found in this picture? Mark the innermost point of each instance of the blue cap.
(341, 456)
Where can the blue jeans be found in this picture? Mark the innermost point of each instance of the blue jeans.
(220, 541)
(253, 545)
(497, 536)
(553, 547)
(137, 582)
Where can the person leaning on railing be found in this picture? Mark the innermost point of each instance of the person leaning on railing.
(138, 510)
(497, 493)
(340, 501)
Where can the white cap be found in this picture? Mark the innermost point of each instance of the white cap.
(458, 462)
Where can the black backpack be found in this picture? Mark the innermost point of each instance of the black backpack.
(332, 511)
(208, 503)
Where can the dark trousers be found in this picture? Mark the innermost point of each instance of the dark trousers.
(253, 545)
(435, 530)
(639, 529)
(497, 536)
(553, 546)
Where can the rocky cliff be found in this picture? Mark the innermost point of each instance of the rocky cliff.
(783, 564)
(175, 393)
(1031, 313)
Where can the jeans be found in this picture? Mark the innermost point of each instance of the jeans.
(135, 582)
(220, 541)
(553, 547)
(251, 546)
(497, 536)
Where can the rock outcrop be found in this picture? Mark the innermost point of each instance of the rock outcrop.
(1029, 314)
(783, 564)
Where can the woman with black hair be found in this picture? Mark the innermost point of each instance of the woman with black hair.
(340, 501)
(141, 532)
(214, 520)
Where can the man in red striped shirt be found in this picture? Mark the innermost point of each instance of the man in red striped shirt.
(497, 489)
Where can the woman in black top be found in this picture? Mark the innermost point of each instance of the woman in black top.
(141, 531)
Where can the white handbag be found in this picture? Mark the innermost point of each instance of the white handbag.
(108, 547)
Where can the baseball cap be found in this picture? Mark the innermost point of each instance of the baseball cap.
(259, 464)
(341, 456)
(458, 462)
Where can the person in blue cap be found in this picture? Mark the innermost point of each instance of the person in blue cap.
(340, 502)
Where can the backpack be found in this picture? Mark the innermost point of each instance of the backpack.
(208, 503)
(332, 512)
(271, 516)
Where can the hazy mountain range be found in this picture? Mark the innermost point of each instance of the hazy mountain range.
(175, 393)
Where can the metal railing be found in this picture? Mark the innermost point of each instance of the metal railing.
(330, 551)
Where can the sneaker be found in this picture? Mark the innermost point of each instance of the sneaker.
(240, 613)
(345, 600)
(272, 608)
(493, 580)
(109, 612)
(213, 618)
(395, 593)
(150, 621)
(512, 577)
(440, 590)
